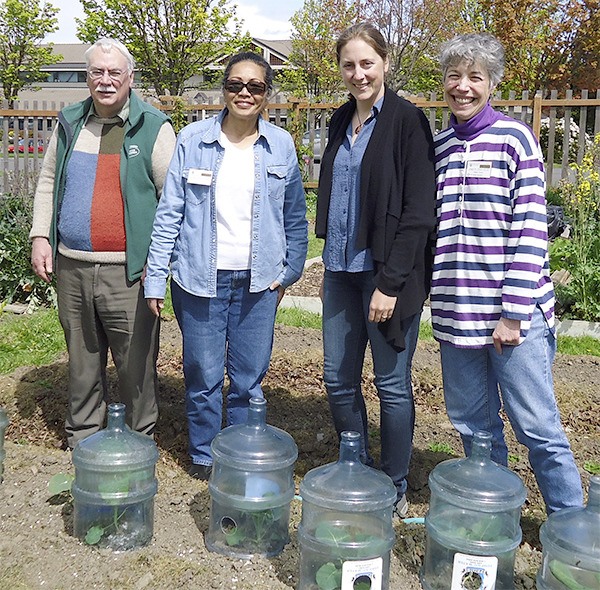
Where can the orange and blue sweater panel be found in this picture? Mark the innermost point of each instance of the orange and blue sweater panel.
(91, 217)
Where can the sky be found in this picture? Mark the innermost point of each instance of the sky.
(265, 19)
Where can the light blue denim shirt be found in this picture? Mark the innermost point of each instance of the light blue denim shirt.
(340, 252)
(184, 235)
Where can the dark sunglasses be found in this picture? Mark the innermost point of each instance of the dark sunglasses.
(254, 88)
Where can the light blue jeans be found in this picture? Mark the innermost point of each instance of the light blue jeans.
(232, 331)
(346, 331)
(478, 382)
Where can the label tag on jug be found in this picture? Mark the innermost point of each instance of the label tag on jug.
(369, 571)
(474, 572)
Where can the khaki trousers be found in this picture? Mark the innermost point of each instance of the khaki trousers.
(99, 309)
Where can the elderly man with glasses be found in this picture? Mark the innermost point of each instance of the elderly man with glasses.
(94, 206)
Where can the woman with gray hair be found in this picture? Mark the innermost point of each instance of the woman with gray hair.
(492, 300)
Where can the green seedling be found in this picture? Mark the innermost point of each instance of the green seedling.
(62, 483)
(437, 447)
(592, 467)
(256, 529)
(345, 542)
(329, 576)
(564, 575)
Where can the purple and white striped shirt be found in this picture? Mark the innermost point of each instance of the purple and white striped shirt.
(491, 256)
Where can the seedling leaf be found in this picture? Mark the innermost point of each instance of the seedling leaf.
(59, 483)
(94, 535)
(329, 577)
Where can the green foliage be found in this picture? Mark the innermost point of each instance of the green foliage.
(18, 282)
(437, 447)
(311, 205)
(592, 467)
(315, 246)
(575, 136)
(414, 31)
(172, 40)
(567, 575)
(23, 26)
(178, 114)
(60, 483)
(316, 26)
(257, 530)
(580, 254)
(329, 576)
(580, 345)
(31, 339)
(345, 542)
(299, 318)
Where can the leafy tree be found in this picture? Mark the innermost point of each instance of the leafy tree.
(316, 26)
(582, 38)
(172, 40)
(23, 26)
(414, 29)
(548, 43)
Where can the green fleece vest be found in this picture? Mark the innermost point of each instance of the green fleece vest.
(139, 192)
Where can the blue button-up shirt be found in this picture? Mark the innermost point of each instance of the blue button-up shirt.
(340, 252)
(184, 235)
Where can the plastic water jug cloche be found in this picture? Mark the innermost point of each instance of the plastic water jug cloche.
(571, 546)
(346, 532)
(115, 485)
(251, 487)
(473, 522)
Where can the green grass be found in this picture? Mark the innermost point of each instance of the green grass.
(315, 246)
(425, 331)
(35, 339)
(587, 345)
(299, 318)
(592, 467)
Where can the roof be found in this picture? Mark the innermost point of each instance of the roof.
(74, 53)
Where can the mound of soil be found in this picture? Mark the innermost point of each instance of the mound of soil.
(37, 547)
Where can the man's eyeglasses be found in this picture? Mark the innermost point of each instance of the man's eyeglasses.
(254, 88)
(97, 74)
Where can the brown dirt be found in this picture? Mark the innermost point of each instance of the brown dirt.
(37, 549)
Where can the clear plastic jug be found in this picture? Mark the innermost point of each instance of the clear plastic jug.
(3, 425)
(571, 546)
(251, 487)
(473, 523)
(115, 485)
(346, 532)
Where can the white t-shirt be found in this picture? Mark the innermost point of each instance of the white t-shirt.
(234, 190)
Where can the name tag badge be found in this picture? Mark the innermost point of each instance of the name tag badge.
(479, 169)
(202, 177)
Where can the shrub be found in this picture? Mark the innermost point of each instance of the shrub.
(18, 282)
(580, 254)
(575, 136)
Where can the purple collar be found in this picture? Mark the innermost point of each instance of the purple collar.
(474, 126)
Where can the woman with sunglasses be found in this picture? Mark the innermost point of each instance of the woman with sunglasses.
(231, 228)
(375, 210)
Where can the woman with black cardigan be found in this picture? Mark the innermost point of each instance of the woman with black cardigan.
(376, 211)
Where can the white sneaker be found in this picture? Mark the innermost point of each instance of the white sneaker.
(400, 509)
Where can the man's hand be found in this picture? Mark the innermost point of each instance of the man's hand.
(381, 307)
(507, 333)
(41, 258)
(156, 306)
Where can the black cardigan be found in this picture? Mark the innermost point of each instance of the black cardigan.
(397, 203)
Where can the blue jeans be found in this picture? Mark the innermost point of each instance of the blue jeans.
(232, 331)
(346, 331)
(477, 382)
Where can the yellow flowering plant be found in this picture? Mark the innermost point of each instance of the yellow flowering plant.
(579, 254)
